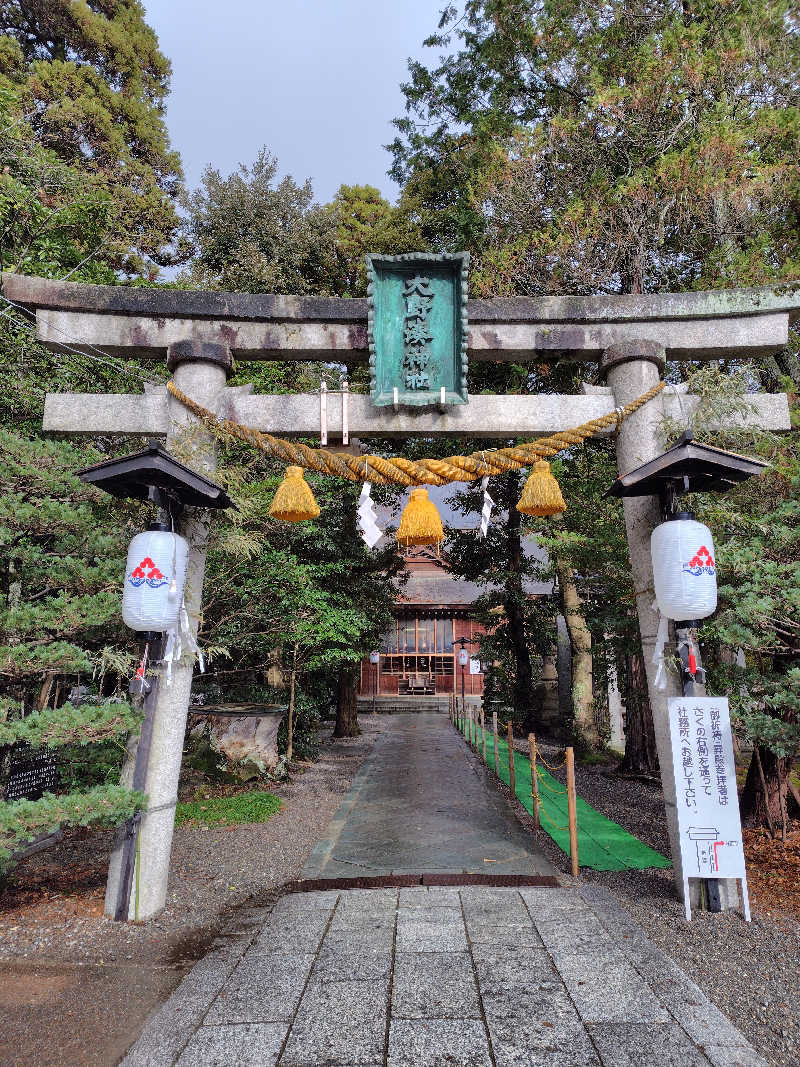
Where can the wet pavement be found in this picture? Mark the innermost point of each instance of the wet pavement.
(422, 803)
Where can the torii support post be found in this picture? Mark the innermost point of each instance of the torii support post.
(631, 369)
(200, 370)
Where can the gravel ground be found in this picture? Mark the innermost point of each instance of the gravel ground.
(76, 988)
(750, 971)
(213, 871)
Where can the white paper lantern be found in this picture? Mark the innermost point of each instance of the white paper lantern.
(684, 569)
(463, 657)
(155, 575)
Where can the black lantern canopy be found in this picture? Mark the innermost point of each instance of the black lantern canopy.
(154, 475)
(687, 467)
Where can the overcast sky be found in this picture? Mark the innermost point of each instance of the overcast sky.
(317, 81)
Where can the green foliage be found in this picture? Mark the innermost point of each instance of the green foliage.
(757, 537)
(61, 546)
(593, 149)
(365, 222)
(228, 811)
(104, 805)
(255, 234)
(91, 83)
(62, 557)
(54, 221)
(305, 743)
(313, 585)
(67, 725)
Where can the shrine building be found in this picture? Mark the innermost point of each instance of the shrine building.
(418, 664)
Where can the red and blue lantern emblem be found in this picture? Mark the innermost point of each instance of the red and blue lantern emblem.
(702, 562)
(148, 572)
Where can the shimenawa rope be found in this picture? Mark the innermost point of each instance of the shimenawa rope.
(401, 471)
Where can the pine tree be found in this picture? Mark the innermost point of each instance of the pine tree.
(92, 83)
(59, 623)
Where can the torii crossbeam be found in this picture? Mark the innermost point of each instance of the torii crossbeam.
(199, 334)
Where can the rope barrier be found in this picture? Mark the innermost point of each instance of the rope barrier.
(405, 472)
(555, 825)
(555, 792)
(550, 767)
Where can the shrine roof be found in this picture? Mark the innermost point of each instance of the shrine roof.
(444, 590)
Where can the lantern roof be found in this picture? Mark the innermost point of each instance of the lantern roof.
(687, 467)
(154, 475)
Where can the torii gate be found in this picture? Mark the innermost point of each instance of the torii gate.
(199, 333)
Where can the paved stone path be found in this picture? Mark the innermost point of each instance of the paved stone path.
(436, 977)
(422, 803)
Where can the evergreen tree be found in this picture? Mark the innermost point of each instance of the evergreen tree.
(59, 624)
(311, 591)
(366, 222)
(578, 149)
(519, 627)
(753, 639)
(255, 234)
(91, 82)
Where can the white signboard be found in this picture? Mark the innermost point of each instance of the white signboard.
(705, 784)
(474, 666)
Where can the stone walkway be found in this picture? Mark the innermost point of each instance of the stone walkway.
(468, 976)
(422, 803)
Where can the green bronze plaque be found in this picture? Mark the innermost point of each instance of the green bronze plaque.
(417, 328)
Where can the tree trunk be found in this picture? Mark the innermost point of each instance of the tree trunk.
(641, 754)
(290, 724)
(752, 802)
(580, 638)
(523, 696)
(346, 707)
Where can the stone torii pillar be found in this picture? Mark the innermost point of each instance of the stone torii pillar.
(200, 369)
(631, 368)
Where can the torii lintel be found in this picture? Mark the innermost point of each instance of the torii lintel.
(134, 322)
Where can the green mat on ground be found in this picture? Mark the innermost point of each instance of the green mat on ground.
(603, 845)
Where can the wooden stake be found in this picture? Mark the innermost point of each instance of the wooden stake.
(483, 733)
(534, 781)
(781, 804)
(494, 728)
(757, 755)
(573, 815)
(511, 772)
(290, 725)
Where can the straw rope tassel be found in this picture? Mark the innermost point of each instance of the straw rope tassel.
(420, 523)
(542, 493)
(294, 500)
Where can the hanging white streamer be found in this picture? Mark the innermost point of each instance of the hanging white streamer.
(488, 504)
(662, 636)
(370, 531)
(178, 636)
